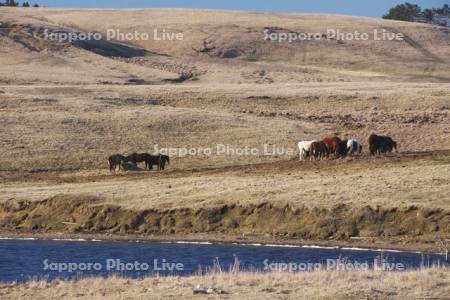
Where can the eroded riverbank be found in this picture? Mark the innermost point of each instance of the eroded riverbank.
(411, 228)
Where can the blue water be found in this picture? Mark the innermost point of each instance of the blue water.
(22, 260)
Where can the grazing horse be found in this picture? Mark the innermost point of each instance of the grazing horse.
(318, 150)
(304, 147)
(332, 143)
(158, 160)
(137, 158)
(341, 149)
(354, 147)
(381, 144)
(116, 160)
(163, 159)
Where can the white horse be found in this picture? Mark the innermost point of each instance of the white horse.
(304, 147)
(354, 147)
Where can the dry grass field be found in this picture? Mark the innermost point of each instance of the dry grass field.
(422, 284)
(410, 180)
(76, 127)
(65, 107)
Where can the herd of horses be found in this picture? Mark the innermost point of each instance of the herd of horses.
(119, 160)
(378, 144)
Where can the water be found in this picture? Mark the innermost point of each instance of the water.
(22, 260)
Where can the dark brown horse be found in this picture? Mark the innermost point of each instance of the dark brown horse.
(139, 157)
(341, 149)
(163, 159)
(381, 144)
(116, 160)
(318, 150)
(332, 143)
(158, 160)
(149, 160)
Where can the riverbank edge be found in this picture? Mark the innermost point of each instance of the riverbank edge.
(66, 217)
(426, 247)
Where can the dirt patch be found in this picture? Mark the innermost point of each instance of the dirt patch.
(86, 214)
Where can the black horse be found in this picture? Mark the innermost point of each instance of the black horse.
(158, 160)
(149, 160)
(341, 149)
(116, 160)
(163, 159)
(135, 158)
(381, 144)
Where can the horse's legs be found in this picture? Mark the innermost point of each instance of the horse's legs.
(110, 165)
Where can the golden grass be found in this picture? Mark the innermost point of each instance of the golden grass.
(357, 182)
(423, 59)
(426, 283)
(71, 128)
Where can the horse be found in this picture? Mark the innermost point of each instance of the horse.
(388, 146)
(381, 144)
(354, 147)
(137, 158)
(158, 160)
(341, 149)
(163, 159)
(304, 148)
(332, 143)
(116, 160)
(318, 150)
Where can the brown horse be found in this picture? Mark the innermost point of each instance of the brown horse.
(319, 150)
(332, 143)
(341, 149)
(116, 160)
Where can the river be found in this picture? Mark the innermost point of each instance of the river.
(27, 259)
